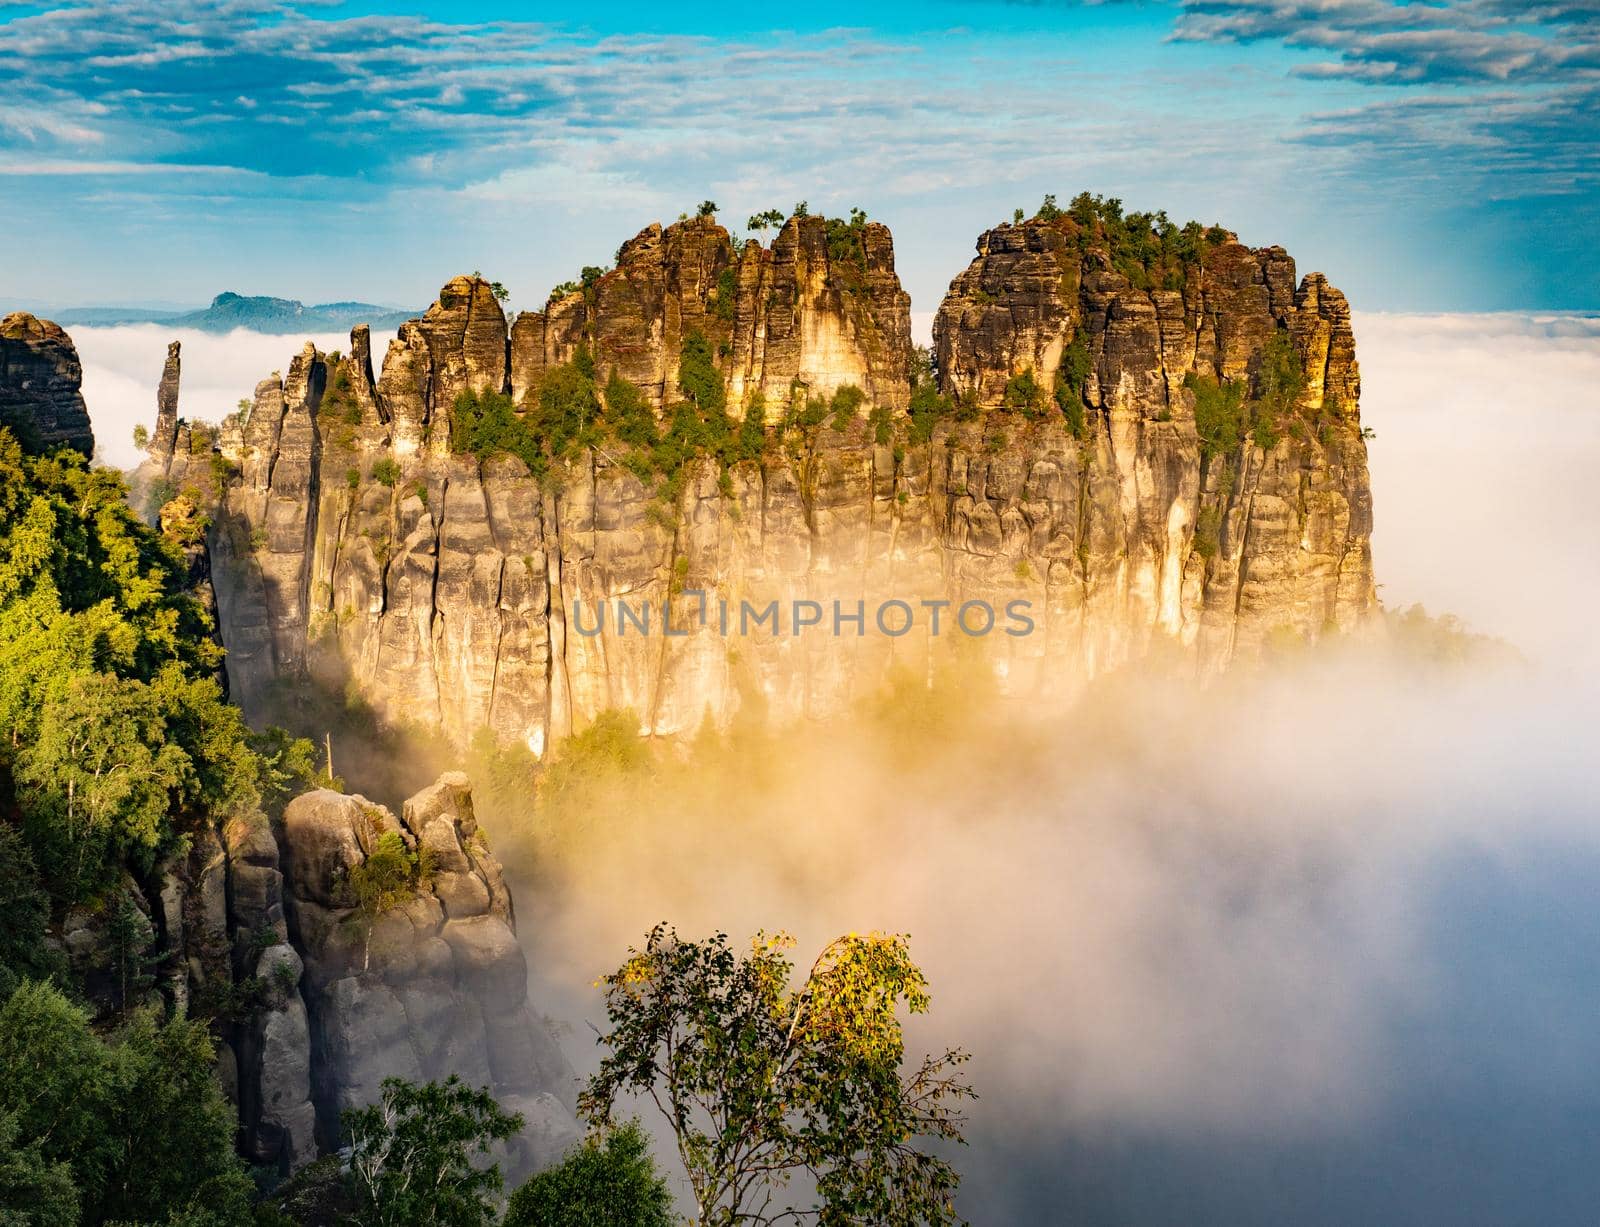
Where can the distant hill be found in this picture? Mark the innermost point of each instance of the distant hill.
(257, 313)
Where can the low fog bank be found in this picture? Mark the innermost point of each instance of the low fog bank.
(122, 366)
(1488, 443)
(1316, 944)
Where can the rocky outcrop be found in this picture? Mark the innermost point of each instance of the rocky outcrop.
(41, 397)
(431, 982)
(803, 313)
(1214, 551)
(1063, 469)
(317, 991)
(164, 439)
(271, 1043)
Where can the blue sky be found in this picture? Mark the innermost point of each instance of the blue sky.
(1426, 156)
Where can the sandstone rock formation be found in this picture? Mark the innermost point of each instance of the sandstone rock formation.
(41, 396)
(164, 439)
(313, 1001)
(432, 986)
(1288, 523)
(1065, 470)
(795, 313)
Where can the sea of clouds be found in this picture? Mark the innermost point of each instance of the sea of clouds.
(122, 366)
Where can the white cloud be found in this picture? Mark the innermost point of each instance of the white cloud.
(1483, 469)
(122, 366)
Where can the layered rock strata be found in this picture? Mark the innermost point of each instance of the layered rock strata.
(461, 592)
(1284, 526)
(41, 385)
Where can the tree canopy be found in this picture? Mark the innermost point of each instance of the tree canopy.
(761, 1082)
(609, 1181)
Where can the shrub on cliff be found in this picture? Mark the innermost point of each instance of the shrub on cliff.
(386, 472)
(1149, 249)
(1218, 413)
(609, 1181)
(488, 425)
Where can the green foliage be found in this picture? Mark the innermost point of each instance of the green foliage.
(1071, 376)
(1218, 414)
(26, 909)
(1208, 533)
(844, 404)
(113, 731)
(847, 246)
(1264, 432)
(1149, 249)
(138, 1120)
(415, 1155)
(171, 1128)
(288, 767)
(34, 1191)
(584, 284)
(1222, 417)
(141, 436)
(753, 427)
(722, 303)
(488, 425)
(1280, 379)
(698, 375)
(1420, 638)
(882, 424)
(708, 208)
(386, 878)
(610, 748)
(629, 414)
(759, 1080)
(609, 1181)
(1024, 394)
(772, 219)
(386, 472)
(927, 405)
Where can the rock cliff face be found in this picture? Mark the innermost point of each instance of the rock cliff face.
(40, 385)
(803, 311)
(1063, 469)
(1215, 551)
(434, 985)
(314, 1001)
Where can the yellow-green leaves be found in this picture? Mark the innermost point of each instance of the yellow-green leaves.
(759, 1078)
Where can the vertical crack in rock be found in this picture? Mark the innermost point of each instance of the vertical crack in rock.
(1097, 499)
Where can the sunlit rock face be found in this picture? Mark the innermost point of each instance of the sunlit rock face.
(41, 379)
(352, 542)
(1290, 524)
